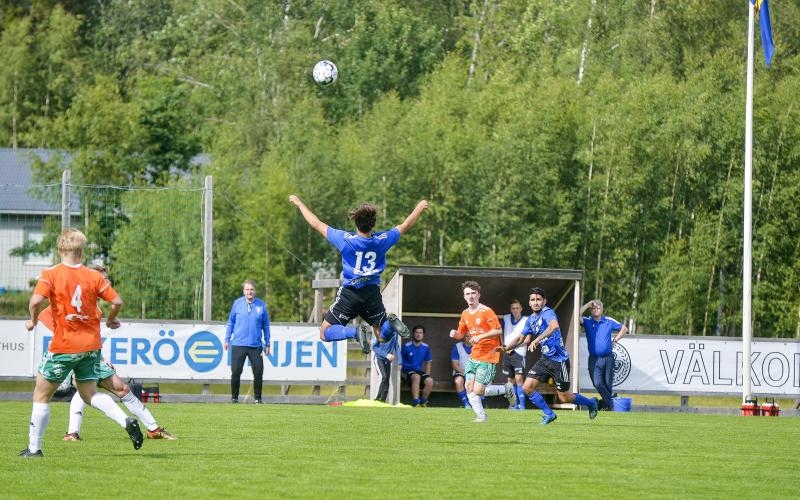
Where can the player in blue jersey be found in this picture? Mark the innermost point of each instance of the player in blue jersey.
(363, 260)
(542, 330)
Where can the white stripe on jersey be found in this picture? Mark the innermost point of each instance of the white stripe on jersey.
(513, 331)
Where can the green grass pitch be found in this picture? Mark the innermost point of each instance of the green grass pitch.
(292, 451)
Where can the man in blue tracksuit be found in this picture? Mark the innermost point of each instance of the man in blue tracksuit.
(248, 321)
(602, 332)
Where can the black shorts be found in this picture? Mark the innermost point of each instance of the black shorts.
(513, 364)
(407, 377)
(546, 368)
(351, 302)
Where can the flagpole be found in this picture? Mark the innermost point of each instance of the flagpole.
(747, 260)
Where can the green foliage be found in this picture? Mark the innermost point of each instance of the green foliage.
(632, 171)
(156, 260)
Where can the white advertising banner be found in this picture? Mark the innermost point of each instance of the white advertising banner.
(180, 351)
(686, 365)
(16, 349)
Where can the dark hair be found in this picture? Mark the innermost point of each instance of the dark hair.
(364, 216)
(99, 268)
(471, 284)
(417, 327)
(538, 291)
(515, 301)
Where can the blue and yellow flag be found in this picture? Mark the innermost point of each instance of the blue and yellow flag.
(762, 9)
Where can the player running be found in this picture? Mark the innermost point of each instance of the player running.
(480, 328)
(542, 329)
(110, 381)
(73, 290)
(363, 260)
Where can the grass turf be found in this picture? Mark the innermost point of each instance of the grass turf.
(291, 451)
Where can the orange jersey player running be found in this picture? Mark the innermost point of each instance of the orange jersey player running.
(110, 381)
(72, 290)
(480, 326)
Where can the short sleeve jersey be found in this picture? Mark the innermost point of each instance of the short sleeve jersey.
(552, 346)
(414, 356)
(598, 334)
(480, 321)
(73, 292)
(363, 259)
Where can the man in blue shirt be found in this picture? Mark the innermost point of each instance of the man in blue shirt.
(600, 339)
(542, 330)
(248, 321)
(385, 353)
(363, 260)
(416, 369)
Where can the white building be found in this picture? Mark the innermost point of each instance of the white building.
(22, 218)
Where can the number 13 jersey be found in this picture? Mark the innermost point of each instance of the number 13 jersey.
(363, 259)
(73, 292)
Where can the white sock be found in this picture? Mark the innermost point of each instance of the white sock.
(76, 407)
(494, 390)
(40, 416)
(477, 404)
(104, 403)
(137, 408)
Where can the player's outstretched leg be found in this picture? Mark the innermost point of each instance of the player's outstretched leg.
(546, 419)
(135, 433)
(363, 337)
(511, 395)
(590, 404)
(76, 407)
(398, 326)
(540, 403)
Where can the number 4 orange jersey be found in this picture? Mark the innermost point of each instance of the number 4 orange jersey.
(73, 292)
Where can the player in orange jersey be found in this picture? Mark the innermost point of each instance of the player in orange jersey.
(480, 328)
(110, 381)
(73, 290)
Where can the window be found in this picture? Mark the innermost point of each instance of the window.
(36, 235)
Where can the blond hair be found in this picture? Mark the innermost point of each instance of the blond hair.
(71, 242)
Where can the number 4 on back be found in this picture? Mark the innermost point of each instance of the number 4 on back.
(76, 301)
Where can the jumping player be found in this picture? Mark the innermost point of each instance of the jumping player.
(480, 328)
(73, 291)
(542, 329)
(110, 381)
(363, 260)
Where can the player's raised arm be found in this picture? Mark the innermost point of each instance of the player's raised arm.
(412, 217)
(511, 345)
(309, 216)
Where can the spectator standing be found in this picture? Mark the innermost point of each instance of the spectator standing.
(247, 334)
(600, 339)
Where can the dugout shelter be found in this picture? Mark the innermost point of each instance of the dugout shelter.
(432, 297)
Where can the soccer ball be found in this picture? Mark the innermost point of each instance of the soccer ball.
(325, 72)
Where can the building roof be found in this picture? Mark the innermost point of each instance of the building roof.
(16, 176)
(437, 289)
